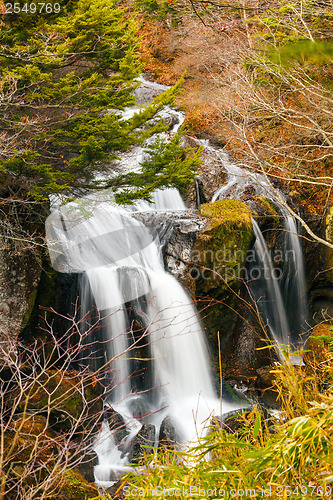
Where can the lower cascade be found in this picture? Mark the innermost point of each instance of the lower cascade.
(141, 306)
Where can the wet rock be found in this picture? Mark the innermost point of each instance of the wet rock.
(87, 464)
(241, 357)
(177, 233)
(115, 491)
(265, 378)
(147, 91)
(143, 443)
(72, 402)
(117, 424)
(169, 436)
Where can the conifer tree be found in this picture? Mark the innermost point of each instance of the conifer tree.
(65, 76)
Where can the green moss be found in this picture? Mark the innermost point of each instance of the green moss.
(31, 303)
(75, 487)
(219, 259)
(223, 245)
(231, 213)
(269, 209)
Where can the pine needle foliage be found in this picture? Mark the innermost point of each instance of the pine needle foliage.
(65, 79)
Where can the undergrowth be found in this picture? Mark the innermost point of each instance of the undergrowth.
(285, 455)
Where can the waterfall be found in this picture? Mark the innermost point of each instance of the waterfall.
(197, 193)
(281, 299)
(142, 309)
(267, 292)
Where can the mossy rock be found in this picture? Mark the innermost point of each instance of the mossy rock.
(73, 486)
(269, 209)
(318, 344)
(231, 213)
(70, 399)
(31, 454)
(33, 425)
(218, 262)
(30, 451)
(223, 245)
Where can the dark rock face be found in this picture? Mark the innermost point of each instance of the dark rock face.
(169, 436)
(320, 264)
(241, 357)
(116, 424)
(143, 443)
(87, 464)
(265, 377)
(19, 277)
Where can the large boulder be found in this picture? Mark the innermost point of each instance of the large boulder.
(143, 443)
(72, 401)
(218, 263)
(20, 271)
(169, 436)
(177, 233)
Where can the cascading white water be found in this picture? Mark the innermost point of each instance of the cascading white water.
(121, 264)
(269, 296)
(281, 299)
